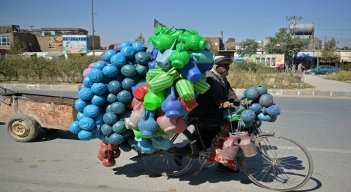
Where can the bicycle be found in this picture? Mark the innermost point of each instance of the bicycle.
(281, 164)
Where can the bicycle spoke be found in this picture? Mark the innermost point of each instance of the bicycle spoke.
(281, 164)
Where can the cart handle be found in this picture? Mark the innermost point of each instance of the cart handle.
(8, 92)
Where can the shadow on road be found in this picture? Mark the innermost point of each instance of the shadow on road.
(313, 181)
(211, 175)
(48, 135)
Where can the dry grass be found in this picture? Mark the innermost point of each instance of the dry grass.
(341, 76)
(244, 78)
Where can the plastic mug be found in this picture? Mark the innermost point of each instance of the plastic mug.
(185, 89)
(189, 105)
(140, 91)
(152, 100)
(191, 71)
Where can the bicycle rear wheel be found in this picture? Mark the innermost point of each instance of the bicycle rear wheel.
(281, 164)
(169, 162)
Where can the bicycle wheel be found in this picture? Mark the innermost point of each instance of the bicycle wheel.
(170, 162)
(281, 164)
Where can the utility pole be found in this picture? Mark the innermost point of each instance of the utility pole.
(92, 21)
(293, 20)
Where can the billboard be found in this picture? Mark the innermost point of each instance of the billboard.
(75, 43)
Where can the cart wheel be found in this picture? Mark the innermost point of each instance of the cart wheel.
(23, 128)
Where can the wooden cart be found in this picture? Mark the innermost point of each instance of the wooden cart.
(25, 114)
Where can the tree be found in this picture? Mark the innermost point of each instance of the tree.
(248, 47)
(328, 54)
(16, 47)
(284, 43)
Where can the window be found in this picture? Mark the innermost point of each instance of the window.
(257, 60)
(263, 60)
(4, 40)
(273, 61)
(268, 61)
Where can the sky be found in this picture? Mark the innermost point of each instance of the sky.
(120, 20)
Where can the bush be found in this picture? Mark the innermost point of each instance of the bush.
(38, 69)
(341, 76)
(248, 74)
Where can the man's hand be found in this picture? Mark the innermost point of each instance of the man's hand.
(225, 104)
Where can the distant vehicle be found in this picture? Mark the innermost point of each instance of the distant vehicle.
(323, 69)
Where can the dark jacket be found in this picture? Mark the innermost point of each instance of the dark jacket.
(220, 91)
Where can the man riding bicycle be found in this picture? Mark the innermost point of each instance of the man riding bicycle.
(215, 101)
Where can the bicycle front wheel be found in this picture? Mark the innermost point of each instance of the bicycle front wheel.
(169, 162)
(281, 164)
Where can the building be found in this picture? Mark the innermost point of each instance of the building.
(69, 40)
(11, 37)
(47, 40)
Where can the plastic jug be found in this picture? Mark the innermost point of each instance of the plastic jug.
(147, 125)
(230, 147)
(171, 105)
(247, 146)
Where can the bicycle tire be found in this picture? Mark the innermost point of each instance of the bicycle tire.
(157, 161)
(283, 168)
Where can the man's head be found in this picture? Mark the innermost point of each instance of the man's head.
(222, 64)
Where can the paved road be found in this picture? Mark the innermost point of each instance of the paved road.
(59, 162)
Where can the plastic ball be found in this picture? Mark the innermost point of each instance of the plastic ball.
(128, 70)
(87, 123)
(85, 135)
(141, 69)
(87, 82)
(266, 100)
(262, 89)
(252, 94)
(264, 117)
(98, 100)
(119, 127)
(273, 110)
(124, 96)
(108, 54)
(85, 94)
(110, 118)
(80, 115)
(96, 75)
(118, 108)
(248, 116)
(91, 111)
(114, 87)
(74, 127)
(86, 72)
(99, 119)
(138, 46)
(118, 60)
(128, 83)
(128, 52)
(110, 71)
(106, 130)
(142, 58)
(91, 65)
(125, 44)
(111, 98)
(79, 104)
(99, 65)
(99, 88)
(256, 107)
(115, 139)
